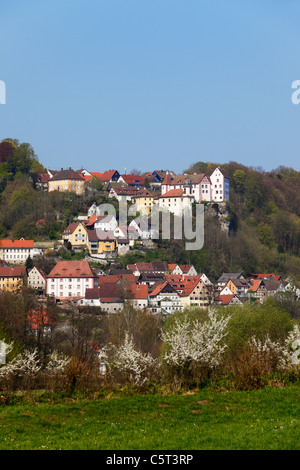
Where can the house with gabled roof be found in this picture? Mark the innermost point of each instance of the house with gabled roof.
(232, 299)
(187, 269)
(176, 201)
(101, 241)
(164, 299)
(144, 201)
(41, 180)
(67, 180)
(106, 296)
(260, 289)
(36, 278)
(12, 278)
(132, 180)
(238, 286)
(139, 296)
(16, 251)
(77, 234)
(107, 222)
(197, 185)
(146, 227)
(197, 294)
(219, 185)
(68, 280)
(225, 277)
(105, 177)
(123, 193)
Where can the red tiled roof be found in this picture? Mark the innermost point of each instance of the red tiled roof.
(109, 293)
(173, 193)
(91, 220)
(133, 179)
(185, 267)
(255, 283)
(12, 271)
(172, 266)
(16, 244)
(97, 175)
(71, 227)
(180, 179)
(106, 176)
(224, 299)
(267, 276)
(43, 177)
(130, 191)
(144, 193)
(157, 288)
(77, 269)
(139, 291)
(115, 278)
(67, 175)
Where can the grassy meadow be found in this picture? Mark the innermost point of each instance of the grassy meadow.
(265, 419)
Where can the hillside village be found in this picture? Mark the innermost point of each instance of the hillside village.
(159, 286)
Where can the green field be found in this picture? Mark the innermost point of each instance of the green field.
(267, 419)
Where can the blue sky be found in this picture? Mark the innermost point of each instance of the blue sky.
(160, 84)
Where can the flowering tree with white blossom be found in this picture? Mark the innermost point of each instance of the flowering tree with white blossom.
(133, 365)
(57, 363)
(23, 368)
(292, 345)
(194, 348)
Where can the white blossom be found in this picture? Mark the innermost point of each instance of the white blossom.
(129, 360)
(292, 344)
(57, 363)
(24, 364)
(288, 354)
(200, 342)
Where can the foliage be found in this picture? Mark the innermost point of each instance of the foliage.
(135, 367)
(193, 348)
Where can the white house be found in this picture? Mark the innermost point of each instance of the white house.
(16, 251)
(197, 185)
(106, 223)
(175, 201)
(145, 227)
(164, 299)
(219, 186)
(36, 278)
(186, 269)
(69, 280)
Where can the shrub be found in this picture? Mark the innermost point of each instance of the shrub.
(130, 365)
(193, 349)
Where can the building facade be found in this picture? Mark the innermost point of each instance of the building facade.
(69, 280)
(16, 251)
(67, 181)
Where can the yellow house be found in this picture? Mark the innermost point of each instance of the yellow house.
(231, 285)
(77, 234)
(105, 244)
(67, 180)
(12, 278)
(144, 201)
